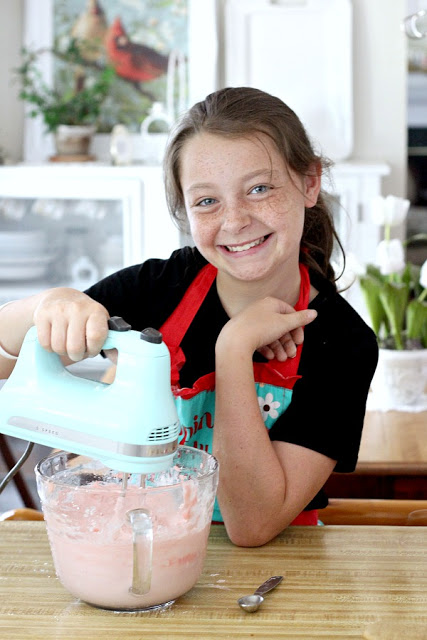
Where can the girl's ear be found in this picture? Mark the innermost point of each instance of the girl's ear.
(312, 185)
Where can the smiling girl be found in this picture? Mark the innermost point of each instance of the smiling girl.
(271, 367)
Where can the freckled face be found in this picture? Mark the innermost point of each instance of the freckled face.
(245, 208)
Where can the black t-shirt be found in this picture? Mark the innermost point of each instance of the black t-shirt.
(337, 363)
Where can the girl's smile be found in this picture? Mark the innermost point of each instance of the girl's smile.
(246, 246)
(245, 207)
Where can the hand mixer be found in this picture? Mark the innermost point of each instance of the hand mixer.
(131, 425)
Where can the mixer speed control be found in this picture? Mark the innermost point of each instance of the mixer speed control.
(151, 335)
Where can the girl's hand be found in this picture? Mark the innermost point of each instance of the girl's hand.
(70, 323)
(269, 326)
(285, 347)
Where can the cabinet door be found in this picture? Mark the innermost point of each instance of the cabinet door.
(47, 242)
(71, 226)
(300, 51)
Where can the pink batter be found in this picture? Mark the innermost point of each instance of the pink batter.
(91, 541)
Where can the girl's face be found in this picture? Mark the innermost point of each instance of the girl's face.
(245, 207)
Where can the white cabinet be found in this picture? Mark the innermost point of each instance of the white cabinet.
(355, 184)
(300, 52)
(120, 214)
(113, 216)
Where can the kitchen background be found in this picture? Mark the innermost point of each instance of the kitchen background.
(344, 70)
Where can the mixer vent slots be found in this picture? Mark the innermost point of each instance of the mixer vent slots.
(164, 433)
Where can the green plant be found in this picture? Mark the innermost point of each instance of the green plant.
(79, 105)
(395, 291)
(397, 307)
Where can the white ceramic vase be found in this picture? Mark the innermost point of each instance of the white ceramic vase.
(400, 379)
(73, 140)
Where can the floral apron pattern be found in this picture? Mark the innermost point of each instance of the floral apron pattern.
(274, 380)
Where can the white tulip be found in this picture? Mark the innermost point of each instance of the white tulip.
(390, 211)
(423, 275)
(390, 256)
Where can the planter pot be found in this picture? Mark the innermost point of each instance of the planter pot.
(73, 141)
(400, 379)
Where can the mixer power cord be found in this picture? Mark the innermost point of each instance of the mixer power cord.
(8, 477)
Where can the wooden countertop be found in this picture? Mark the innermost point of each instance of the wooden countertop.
(393, 442)
(337, 580)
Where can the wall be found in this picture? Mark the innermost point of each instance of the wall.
(380, 100)
(11, 109)
(379, 84)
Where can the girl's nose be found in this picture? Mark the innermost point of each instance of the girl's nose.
(235, 217)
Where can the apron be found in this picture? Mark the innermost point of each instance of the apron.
(274, 380)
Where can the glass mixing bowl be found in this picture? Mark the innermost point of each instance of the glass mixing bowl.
(126, 541)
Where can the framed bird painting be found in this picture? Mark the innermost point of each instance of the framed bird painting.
(161, 51)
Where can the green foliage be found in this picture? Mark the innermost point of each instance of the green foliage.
(76, 106)
(396, 308)
(394, 298)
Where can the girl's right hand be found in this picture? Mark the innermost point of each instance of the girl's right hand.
(70, 323)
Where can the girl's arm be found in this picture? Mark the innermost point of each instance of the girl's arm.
(263, 485)
(68, 322)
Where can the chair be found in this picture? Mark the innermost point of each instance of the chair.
(357, 511)
(23, 490)
(21, 514)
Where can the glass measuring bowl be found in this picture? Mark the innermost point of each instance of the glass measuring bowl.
(128, 545)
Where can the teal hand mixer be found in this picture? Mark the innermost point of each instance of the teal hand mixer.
(130, 425)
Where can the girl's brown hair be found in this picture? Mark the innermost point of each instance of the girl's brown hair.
(243, 111)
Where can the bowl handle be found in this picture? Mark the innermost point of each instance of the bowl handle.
(142, 540)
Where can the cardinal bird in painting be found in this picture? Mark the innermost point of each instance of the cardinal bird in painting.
(132, 61)
(89, 30)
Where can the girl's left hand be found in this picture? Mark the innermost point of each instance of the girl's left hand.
(270, 326)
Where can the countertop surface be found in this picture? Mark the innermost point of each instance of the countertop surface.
(338, 582)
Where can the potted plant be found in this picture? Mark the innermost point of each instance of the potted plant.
(71, 115)
(395, 293)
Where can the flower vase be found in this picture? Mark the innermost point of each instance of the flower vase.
(400, 380)
(72, 143)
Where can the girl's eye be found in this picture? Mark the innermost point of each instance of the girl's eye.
(260, 188)
(206, 202)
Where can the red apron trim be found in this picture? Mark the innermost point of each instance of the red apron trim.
(205, 383)
(268, 373)
(177, 362)
(289, 368)
(306, 518)
(261, 374)
(175, 327)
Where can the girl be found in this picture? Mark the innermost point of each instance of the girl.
(235, 312)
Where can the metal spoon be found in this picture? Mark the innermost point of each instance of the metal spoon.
(251, 603)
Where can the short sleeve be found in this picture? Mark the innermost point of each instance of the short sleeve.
(146, 294)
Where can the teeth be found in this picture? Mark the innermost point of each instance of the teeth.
(245, 247)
